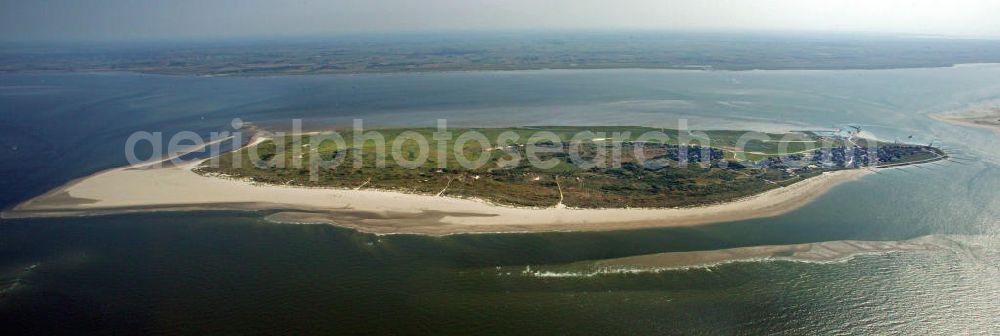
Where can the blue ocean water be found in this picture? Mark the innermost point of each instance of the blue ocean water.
(233, 272)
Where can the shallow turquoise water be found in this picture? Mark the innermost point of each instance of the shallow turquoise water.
(230, 272)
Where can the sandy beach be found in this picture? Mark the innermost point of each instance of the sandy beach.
(986, 118)
(177, 187)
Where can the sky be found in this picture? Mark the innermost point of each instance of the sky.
(68, 20)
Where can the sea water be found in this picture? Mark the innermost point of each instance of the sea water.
(236, 273)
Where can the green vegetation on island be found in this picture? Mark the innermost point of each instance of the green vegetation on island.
(585, 167)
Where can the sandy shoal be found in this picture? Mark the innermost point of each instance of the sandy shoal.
(984, 121)
(821, 252)
(124, 190)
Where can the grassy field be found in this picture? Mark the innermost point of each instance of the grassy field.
(587, 167)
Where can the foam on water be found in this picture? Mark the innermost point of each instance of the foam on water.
(811, 253)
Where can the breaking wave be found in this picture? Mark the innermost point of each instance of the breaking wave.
(814, 253)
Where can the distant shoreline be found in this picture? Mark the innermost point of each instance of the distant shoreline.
(485, 70)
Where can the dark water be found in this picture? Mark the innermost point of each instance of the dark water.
(234, 273)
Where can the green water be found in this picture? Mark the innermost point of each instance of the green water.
(231, 273)
(235, 273)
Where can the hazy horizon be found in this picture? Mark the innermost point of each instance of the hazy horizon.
(117, 20)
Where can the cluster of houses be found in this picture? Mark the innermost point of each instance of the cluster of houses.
(838, 157)
(849, 156)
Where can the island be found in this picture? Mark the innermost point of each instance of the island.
(522, 179)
